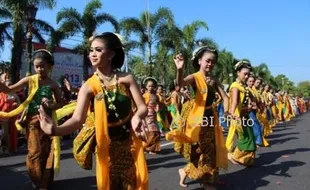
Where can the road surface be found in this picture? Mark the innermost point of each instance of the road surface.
(284, 165)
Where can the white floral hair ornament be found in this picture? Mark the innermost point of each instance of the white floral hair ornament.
(147, 78)
(196, 51)
(240, 63)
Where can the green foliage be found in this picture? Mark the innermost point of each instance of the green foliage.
(155, 35)
(303, 89)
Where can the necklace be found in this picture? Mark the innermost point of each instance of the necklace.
(110, 97)
(246, 93)
(110, 78)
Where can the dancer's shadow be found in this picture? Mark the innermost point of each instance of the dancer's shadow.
(14, 176)
(271, 136)
(6, 167)
(270, 157)
(278, 129)
(88, 183)
(66, 156)
(167, 165)
(167, 151)
(162, 159)
(281, 141)
(252, 178)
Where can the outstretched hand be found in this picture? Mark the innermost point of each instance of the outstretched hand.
(179, 61)
(47, 125)
(137, 127)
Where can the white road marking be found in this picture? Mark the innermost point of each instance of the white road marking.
(166, 144)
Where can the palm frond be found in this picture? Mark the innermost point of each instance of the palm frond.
(37, 35)
(4, 27)
(42, 26)
(129, 25)
(56, 37)
(130, 45)
(5, 13)
(105, 17)
(43, 4)
(69, 15)
(92, 7)
(70, 28)
(162, 16)
(190, 31)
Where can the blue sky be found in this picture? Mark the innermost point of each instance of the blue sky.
(275, 32)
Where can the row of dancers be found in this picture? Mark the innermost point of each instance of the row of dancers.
(128, 123)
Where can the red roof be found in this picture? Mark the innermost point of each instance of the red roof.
(37, 46)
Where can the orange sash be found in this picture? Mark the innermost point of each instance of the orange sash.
(102, 140)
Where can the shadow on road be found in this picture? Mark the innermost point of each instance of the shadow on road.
(282, 128)
(271, 136)
(66, 156)
(159, 160)
(270, 157)
(10, 174)
(88, 183)
(281, 141)
(167, 165)
(252, 178)
(254, 175)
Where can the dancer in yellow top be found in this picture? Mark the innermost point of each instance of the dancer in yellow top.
(240, 106)
(200, 130)
(120, 158)
(42, 90)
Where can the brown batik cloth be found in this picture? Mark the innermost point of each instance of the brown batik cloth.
(122, 167)
(202, 165)
(153, 141)
(40, 156)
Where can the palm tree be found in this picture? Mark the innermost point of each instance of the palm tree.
(129, 45)
(73, 22)
(55, 39)
(163, 61)
(224, 69)
(150, 28)
(138, 68)
(5, 26)
(263, 72)
(15, 11)
(190, 42)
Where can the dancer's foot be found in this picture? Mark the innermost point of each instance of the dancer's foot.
(152, 153)
(182, 177)
(230, 158)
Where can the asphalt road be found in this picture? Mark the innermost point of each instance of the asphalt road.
(284, 165)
